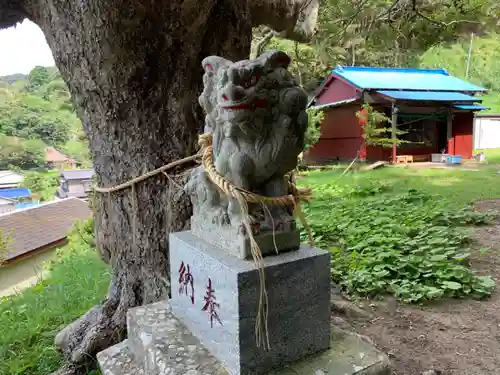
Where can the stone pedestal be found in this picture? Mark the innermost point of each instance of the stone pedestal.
(216, 295)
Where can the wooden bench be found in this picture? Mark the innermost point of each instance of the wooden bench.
(404, 159)
(421, 158)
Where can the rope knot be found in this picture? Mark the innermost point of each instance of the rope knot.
(205, 140)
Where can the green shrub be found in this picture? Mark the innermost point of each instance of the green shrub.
(313, 132)
(44, 184)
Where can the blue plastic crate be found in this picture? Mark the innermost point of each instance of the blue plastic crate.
(453, 159)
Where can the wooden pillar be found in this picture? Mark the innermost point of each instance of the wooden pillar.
(394, 122)
(449, 133)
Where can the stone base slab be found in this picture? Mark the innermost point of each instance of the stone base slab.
(118, 360)
(158, 340)
(298, 289)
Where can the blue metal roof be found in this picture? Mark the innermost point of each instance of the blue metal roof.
(27, 205)
(15, 193)
(403, 79)
(431, 96)
(471, 107)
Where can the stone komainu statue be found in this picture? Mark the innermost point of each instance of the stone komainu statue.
(255, 113)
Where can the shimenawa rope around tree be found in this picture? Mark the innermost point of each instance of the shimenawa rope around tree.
(243, 197)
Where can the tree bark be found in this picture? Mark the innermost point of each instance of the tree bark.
(134, 72)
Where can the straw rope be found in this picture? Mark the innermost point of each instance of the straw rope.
(243, 197)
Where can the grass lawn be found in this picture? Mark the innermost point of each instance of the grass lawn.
(455, 185)
(492, 155)
(29, 321)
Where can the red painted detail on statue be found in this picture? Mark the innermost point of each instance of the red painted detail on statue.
(186, 281)
(211, 305)
(258, 103)
(256, 228)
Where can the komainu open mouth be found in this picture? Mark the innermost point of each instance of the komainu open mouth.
(258, 103)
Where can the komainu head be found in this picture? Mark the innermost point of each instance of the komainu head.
(251, 90)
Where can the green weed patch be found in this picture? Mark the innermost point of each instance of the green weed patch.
(411, 245)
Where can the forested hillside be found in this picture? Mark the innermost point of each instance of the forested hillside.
(36, 111)
(484, 63)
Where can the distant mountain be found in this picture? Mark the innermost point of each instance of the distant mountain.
(11, 78)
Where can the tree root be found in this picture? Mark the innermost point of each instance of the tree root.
(101, 327)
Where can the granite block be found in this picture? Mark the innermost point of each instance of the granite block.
(229, 239)
(118, 360)
(298, 286)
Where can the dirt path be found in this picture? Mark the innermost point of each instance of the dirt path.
(455, 337)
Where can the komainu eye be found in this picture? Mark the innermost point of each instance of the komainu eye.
(252, 81)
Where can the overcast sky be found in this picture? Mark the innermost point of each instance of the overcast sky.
(22, 48)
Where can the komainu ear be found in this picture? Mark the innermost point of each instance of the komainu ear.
(275, 59)
(213, 63)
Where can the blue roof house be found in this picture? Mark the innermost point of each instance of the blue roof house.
(15, 193)
(433, 108)
(21, 196)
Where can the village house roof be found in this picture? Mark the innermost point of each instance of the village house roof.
(15, 193)
(10, 178)
(78, 174)
(77, 191)
(53, 156)
(405, 84)
(34, 228)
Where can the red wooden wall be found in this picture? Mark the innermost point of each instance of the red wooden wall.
(461, 142)
(341, 139)
(337, 90)
(340, 136)
(377, 153)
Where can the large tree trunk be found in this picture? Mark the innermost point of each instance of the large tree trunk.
(134, 71)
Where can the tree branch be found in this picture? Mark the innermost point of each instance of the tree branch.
(397, 9)
(418, 13)
(298, 60)
(293, 19)
(11, 12)
(440, 23)
(263, 42)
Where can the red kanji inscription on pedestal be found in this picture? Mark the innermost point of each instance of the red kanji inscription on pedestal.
(185, 281)
(210, 305)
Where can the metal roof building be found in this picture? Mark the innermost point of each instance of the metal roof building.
(15, 193)
(439, 107)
